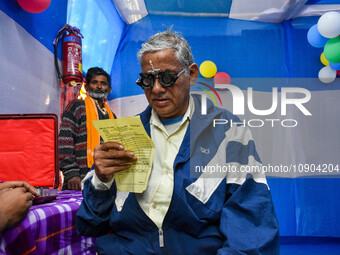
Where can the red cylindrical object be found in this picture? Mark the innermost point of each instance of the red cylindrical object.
(72, 59)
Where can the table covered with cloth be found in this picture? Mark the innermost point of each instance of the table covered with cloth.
(48, 228)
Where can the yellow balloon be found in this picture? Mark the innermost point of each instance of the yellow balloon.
(323, 59)
(208, 69)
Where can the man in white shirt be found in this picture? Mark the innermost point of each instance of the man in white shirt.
(231, 213)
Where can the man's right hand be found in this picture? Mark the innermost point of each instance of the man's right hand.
(109, 158)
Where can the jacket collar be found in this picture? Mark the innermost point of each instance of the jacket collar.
(196, 126)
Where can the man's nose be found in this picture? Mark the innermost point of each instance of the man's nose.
(157, 87)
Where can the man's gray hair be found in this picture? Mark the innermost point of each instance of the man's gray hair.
(168, 40)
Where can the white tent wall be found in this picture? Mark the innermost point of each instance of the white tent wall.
(27, 73)
(28, 79)
(260, 10)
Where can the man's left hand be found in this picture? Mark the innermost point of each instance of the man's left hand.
(74, 183)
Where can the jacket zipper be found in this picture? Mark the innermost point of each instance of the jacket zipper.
(161, 238)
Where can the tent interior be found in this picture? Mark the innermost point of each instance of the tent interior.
(260, 44)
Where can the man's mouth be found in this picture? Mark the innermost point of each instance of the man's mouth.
(99, 91)
(161, 101)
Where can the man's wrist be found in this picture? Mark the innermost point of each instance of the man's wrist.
(100, 185)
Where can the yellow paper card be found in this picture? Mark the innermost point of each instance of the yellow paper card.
(130, 132)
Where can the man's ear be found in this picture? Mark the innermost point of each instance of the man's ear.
(193, 73)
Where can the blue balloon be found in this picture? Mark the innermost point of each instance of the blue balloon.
(315, 38)
(334, 66)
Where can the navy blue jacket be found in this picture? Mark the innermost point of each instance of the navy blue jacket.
(231, 213)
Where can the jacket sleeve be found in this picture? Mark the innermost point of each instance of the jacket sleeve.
(248, 220)
(94, 212)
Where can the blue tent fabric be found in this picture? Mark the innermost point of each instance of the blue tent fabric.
(307, 206)
(208, 37)
(243, 49)
(312, 2)
(101, 35)
(309, 246)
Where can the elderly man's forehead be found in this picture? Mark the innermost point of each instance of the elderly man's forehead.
(168, 54)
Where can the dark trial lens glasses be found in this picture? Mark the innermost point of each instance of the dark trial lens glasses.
(166, 79)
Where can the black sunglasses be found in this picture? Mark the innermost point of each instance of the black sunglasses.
(166, 79)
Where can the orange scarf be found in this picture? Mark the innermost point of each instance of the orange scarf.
(93, 138)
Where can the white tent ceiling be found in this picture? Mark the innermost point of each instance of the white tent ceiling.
(259, 10)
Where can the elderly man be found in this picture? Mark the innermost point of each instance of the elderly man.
(179, 213)
(77, 135)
